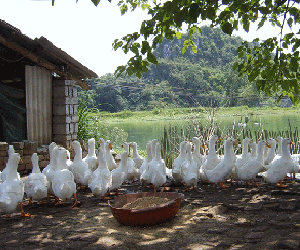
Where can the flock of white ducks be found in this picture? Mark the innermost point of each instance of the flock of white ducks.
(101, 174)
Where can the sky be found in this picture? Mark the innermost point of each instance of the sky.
(84, 31)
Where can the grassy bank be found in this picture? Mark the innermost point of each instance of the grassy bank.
(184, 113)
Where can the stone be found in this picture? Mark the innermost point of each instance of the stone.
(61, 129)
(3, 153)
(60, 91)
(62, 119)
(29, 151)
(42, 151)
(20, 152)
(30, 145)
(4, 146)
(18, 145)
(26, 159)
(61, 110)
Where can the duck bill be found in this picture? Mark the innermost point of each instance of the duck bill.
(235, 142)
(268, 145)
(204, 146)
(293, 143)
(110, 146)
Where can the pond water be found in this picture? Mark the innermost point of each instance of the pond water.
(144, 131)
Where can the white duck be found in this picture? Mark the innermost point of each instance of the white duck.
(212, 159)
(279, 149)
(91, 158)
(242, 159)
(168, 170)
(222, 171)
(157, 169)
(48, 168)
(51, 168)
(177, 164)
(120, 174)
(101, 179)
(198, 157)
(245, 156)
(143, 178)
(69, 161)
(63, 183)
(190, 170)
(102, 143)
(111, 163)
(271, 153)
(280, 167)
(133, 172)
(138, 159)
(79, 168)
(36, 184)
(10, 151)
(253, 146)
(250, 170)
(12, 189)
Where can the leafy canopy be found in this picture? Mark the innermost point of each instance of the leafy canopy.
(268, 63)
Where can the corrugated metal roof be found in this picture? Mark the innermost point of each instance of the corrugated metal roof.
(45, 54)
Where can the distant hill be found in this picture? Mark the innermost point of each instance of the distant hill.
(191, 79)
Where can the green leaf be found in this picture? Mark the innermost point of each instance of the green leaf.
(194, 49)
(96, 2)
(211, 12)
(290, 22)
(151, 58)
(227, 28)
(255, 73)
(178, 35)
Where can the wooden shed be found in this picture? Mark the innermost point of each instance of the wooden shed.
(38, 94)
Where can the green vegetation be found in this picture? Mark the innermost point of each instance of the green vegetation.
(191, 80)
(189, 113)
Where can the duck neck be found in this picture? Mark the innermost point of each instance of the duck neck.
(260, 153)
(228, 149)
(78, 155)
(134, 152)
(101, 160)
(245, 149)
(212, 148)
(36, 168)
(285, 150)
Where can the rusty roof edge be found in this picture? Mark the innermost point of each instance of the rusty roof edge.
(80, 72)
(64, 57)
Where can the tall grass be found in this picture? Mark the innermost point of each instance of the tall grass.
(173, 136)
(91, 124)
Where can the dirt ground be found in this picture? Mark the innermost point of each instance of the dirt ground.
(239, 217)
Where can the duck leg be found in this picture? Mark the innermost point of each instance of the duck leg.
(76, 202)
(164, 188)
(255, 183)
(186, 188)
(23, 214)
(117, 191)
(222, 185)
(105, 198)
(58, 202)
(29, 202)
(42, 202)
(281, 185)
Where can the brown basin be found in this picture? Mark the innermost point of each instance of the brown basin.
(146, 216)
